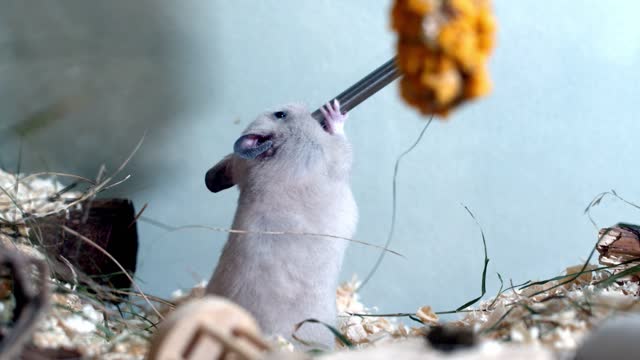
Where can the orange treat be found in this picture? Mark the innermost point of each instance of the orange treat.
(443, 48)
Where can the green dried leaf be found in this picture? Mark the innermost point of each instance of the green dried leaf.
(484, 270)
(333, 330)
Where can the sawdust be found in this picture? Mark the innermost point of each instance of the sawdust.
(549, 315)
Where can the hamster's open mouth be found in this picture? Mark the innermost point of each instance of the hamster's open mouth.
(251, 146)
(255, 140)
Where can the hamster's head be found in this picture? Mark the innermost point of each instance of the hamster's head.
(284, 142)
(280, 134)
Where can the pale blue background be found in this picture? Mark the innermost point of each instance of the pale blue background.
(559, 127)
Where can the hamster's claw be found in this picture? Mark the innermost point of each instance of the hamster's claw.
(333, 118)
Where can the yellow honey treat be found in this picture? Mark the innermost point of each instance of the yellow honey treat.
(478, 84)
(465, 7)
(421, 6)
(446, 85)
(443, 48)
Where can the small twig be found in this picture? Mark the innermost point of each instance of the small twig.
(497, 323)
(381, 315)
(406, 314)
(116, 183)
(19, 166)
(95, 189)
(486, 263)
(376, 265)
(62, 191)
(495, 299)
(157, 299)
(343, 339)
(584, 266)
(574, 275)
(73, 271)
(106, 253)
(135, 218)
(33, 175)
(236, 231)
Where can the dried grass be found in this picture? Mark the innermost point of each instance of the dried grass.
(556, 313)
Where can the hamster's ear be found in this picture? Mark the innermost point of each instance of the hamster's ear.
(219, 177)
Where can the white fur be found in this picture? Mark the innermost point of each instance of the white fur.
(303, 188)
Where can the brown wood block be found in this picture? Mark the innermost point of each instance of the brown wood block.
(619, 243)
(110, 223)
(31, 352)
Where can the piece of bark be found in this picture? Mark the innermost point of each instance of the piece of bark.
(110, 223)
(31, 352)
(618, 244)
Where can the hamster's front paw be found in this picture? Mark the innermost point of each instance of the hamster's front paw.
(333, 118)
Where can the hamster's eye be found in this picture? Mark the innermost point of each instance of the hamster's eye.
(280, 114)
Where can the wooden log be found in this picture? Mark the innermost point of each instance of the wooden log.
(619, 244)
(110, 223)
(31, 352)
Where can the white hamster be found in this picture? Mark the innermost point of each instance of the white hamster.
(293, 173)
